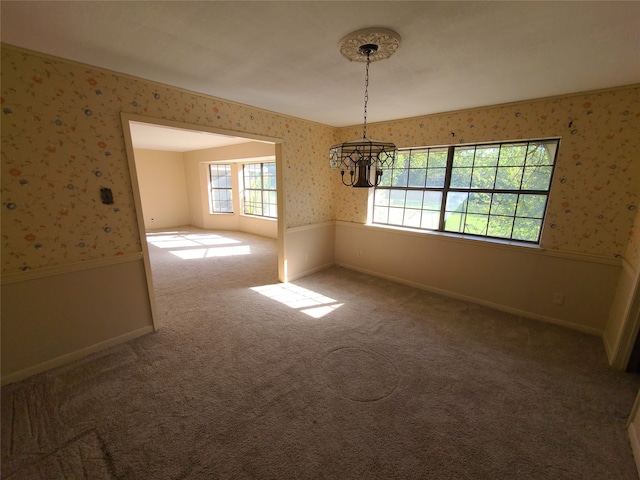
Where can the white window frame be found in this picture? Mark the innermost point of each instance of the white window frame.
(215, 202)
(260, 190)
(497, 190)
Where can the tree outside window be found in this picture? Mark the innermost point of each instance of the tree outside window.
(495, 190)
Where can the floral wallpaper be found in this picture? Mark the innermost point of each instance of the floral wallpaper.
(62, 142)
(633, 250)
(595, 193)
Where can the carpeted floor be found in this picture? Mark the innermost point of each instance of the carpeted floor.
(338, 375)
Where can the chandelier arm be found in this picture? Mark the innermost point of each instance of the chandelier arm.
(351, 178)
(378, 177)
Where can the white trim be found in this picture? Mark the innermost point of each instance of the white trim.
(70, 268)
(313, 226)
(258, 217)
(309, 272)
(165, 122)
(635, 445)
(484, 143)
(487, 243)
(620, 353)
(633, 432)
(582, 257)
(534, 316)
(246, 160)
(634, 410)
(609, 351)
(73, 356)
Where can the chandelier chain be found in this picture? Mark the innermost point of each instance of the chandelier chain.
(366, 96)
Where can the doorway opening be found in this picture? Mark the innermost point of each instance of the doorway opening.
(170, 168)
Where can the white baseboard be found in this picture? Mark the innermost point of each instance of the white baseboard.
(522, 313)
(608, 349)
(73, 356)
(309, 272)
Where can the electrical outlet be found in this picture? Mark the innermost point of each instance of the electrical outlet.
(359, 253)
(558, 298)
(306, 257)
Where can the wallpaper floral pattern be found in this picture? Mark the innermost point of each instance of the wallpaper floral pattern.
(62, 142)
(595, 193)
(633, 251)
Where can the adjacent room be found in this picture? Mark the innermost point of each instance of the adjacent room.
(185, 178)
(341, 240)
(204, 179)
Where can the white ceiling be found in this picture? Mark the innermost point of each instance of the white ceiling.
(170, 139)
(283, 56)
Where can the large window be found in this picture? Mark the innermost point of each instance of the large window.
(220, 180)
(260, 197)
(497, 190)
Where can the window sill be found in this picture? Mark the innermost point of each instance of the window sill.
(259, 217)
(457, 237)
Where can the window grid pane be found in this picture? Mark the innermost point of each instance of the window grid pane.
(495, 190)
(260, 195)
(221, 194)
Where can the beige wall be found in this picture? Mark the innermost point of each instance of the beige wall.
(67, 116)
(44, 326)
(197, 175)
(174, 188)
(163, 188)
(595, 193)
(63, 140)
(623, 323)
(311, 248)
(516, 279)
(623, 320)
(593, 205)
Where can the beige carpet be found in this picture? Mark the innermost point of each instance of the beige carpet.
(337, 376)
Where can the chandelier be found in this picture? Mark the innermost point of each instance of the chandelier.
(364, 158)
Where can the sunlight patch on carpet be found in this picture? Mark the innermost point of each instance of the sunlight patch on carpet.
(194, 253)
(319, 312)
(307, 301)
(177, 240)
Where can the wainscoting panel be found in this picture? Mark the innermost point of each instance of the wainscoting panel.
(309, 249)
(564, 288)
(53, 317)
(622, 328)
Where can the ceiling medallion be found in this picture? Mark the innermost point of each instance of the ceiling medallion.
(386, 40)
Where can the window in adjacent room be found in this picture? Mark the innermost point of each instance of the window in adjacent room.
(497, 190)
(260, 197)
(221, 193)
